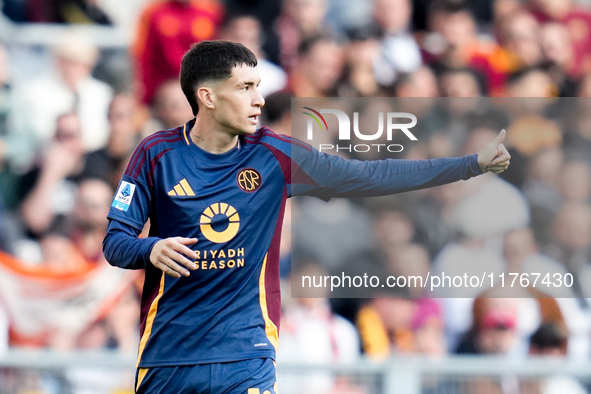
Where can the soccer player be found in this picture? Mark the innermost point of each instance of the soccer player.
(214, 190)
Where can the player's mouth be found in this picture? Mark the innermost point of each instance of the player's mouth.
(254, 118)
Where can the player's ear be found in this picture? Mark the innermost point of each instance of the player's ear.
(205, 95)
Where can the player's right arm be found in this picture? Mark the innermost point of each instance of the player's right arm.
(123, 248)
(129, 212)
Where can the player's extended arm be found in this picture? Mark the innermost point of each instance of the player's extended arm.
(328, 176)
(123, 248)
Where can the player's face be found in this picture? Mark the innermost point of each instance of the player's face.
(238, 102)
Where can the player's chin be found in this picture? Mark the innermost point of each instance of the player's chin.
(248, 130)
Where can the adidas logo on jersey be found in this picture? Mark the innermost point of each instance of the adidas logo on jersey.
(182, 189)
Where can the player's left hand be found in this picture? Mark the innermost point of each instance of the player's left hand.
(494, 156)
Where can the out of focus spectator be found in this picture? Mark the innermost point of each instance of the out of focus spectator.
(428, 329)
(455, 43)
(519, 34)
(399, 52)
(573, 235)
(312, 333)
(73, 89)
(66, 11)
(246, 30)
(124, 321)
(462, 82)
(493, 328)
(410, 260)
(320, 64)
(277, 112)
(392, 229)
(17, 142)
(87, 222)
(577, 121)
(331, 232)
(531, 132)
(385, 326)
(551, 341)
(50, 187)
(123, 14)
(466, 256)
(523, 256)
(300, 20)
(541, 189)
(267, 12)
(124, 135)
(76, 234)
(169, 108)
(361, 55)
(419, 83)
(578, 22)
(367, 251)
(572, 245)
(575, 182)
(59, 254)
(166, 30)
(348, 15)
(557, 49)
(493, 332)
(117, 331)
(531, 82)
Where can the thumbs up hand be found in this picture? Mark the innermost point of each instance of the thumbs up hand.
(494, 156)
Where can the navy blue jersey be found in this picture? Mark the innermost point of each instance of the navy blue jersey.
(228, 309)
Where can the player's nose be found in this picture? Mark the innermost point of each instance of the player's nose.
(258, 101)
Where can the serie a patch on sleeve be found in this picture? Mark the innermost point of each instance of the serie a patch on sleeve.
(124, 196)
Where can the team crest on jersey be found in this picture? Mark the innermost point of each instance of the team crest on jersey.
(249, 180)
(124, 196)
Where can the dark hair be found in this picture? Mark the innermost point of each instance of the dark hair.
(278, 104)
(233, 14)
(517, 76)
(308, 44)
(211, 60)
(549, 336)
(449, 7)
(476, 75)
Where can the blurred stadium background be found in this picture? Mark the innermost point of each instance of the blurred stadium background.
(83, 81)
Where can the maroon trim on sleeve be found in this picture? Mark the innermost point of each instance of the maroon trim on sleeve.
(292, 172)
(139, 151)
(139, 166)
(153, 163)
(264, 131)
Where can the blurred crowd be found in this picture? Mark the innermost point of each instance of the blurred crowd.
(71, 115)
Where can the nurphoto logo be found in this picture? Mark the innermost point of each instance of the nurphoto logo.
(344, 132)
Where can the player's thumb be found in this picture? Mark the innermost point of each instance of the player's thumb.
(499, 139)
(187, 241)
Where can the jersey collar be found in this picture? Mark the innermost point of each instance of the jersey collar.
(203, 154)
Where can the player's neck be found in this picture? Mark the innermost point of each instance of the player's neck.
(209, 136)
